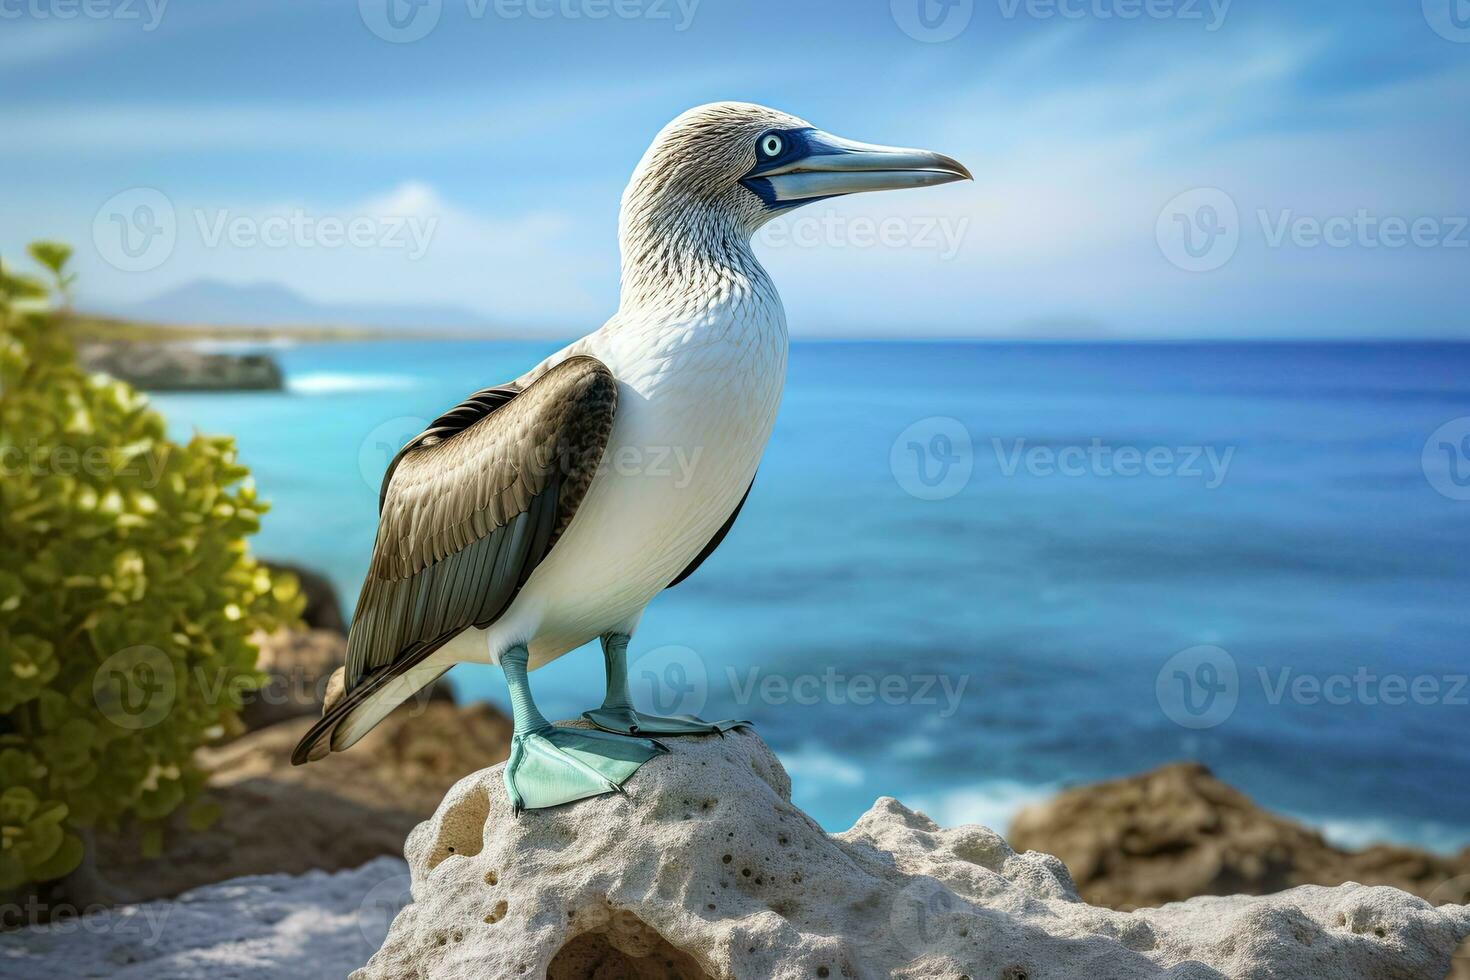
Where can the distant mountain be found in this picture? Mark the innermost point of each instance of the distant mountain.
(208, 301)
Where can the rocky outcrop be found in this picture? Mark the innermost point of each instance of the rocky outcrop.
(1178, 832)
(297, 665)
(706, 869)
(171, 367)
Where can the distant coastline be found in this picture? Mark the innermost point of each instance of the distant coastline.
(85, 327)
(187, 357)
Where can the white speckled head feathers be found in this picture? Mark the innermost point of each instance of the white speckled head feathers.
(691, 172)
(686, 219)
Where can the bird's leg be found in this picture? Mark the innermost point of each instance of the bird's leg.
(617, 713)
(550, 764)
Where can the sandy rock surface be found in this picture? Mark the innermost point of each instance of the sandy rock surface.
(313, 927)
(706, 869)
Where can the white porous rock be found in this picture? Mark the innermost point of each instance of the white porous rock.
(706, 869)
(262, 927)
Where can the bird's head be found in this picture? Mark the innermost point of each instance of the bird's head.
(736, 165)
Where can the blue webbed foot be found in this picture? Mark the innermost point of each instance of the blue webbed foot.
(626, 720)
(552, 765)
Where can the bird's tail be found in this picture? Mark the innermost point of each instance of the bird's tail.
(348, 716)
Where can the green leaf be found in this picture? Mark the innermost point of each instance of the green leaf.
(52, 255)
(17, 804)
(62, 862)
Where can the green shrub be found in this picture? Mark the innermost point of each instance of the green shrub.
(127, 597)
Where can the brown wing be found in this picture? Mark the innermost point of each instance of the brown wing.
(469, 508)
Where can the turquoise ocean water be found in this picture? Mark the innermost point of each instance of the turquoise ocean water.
(1249, 554)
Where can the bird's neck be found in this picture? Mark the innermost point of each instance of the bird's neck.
(683, 270)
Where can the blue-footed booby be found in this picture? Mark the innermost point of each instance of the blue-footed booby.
(528, 520)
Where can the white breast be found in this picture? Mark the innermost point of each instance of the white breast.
(696, 403)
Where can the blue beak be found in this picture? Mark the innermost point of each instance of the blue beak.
(817, 165)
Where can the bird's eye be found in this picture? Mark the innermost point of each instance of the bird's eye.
(772, 145)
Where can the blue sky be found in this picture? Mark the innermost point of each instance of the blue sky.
(1101, 134)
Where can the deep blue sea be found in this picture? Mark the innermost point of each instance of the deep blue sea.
(970, 574)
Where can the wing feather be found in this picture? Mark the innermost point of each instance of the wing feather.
(472, 505)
